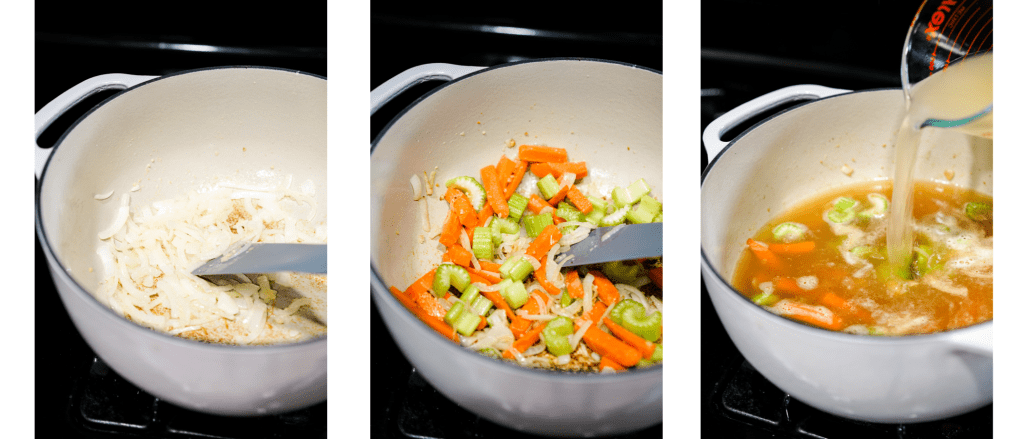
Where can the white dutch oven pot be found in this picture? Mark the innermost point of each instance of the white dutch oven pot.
(788, 158)
(607, 114)
(191, 127)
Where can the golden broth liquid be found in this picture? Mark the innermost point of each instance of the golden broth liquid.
(848, 262)
(956, 92)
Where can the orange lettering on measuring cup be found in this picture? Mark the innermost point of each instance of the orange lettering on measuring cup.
(937, 18)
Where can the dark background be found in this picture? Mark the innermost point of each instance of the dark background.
(402, 403)
(76, 395)
(749, 48)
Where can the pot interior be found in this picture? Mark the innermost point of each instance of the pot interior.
(606, 114)
(801, 152)
(254, 127)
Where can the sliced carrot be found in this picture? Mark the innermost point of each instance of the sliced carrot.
(526, 340)
(574, 285)
(606, 290)
(458, 255)
(517, 177)
(483, 277)
(811, 314)
(608, 362)
(542, 169)
(541, 276)
(461, 204)
(438, 325)
(545, 240)
(490, 266)
(576, 198)
(789, 285)
(539, 153)
(557, 169)
(793, 248)
(532, 306)
(655, 274)
(428, 303)
(596, 312)
(485, 213)
(838, 304)
(424, 283)
(536, 203)
(451, 230)
(562, 191)
(504, 170)
(765, 255)
(495, 192)
(645, 347)
(499, 302)
(606, 345)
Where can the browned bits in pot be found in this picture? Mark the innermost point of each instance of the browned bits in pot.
(949, 174)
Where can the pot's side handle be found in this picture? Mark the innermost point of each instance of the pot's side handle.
(978, 342)
(59, 105)
(713, 143)
(401, 82)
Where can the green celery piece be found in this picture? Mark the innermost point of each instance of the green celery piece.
(621, 272)
(638, 189)
(471, 293)
(765, 299)
(548, 186)
(467, 323)
(926, 260)
(648, 202)
(556, 335)
(516, 206)
(658, 218)
(501, 226)
(447, 275)
(789, 232)
(454, 313)
(520, 269)
(655, 358)
(566, 299)
(599, 210)
(621, 197)
(639, 216)
(506, 268)
(473, 189)
(491, 352)
(630, 195)
(567, 212)
(536, 224)
(978, 211)
(632, 316)
(481, 305)
(483, 247)
(614, 218)
(879, 206)
(515, 294)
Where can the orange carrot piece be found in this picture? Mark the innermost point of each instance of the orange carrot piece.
(424, 283)
(606, 345)
(539, 153)
(490, 266)
(438, 325)
(606, 290)
(528, 339)
(645, 347)
(576, 198)
(839, 305)
(536, 203)
(428, 303)
(608, 362)
(812, 315)
(482, 276)
(578, 168)
(542, 244)
(485, 213)
(789, 285)
(532, 306)
(458, 255)
(504, 170)
(574, 285)
(542, 169)
(562, 191)
(542, 278)
(656, 275)
(517, 177)
(499, 302)
(451, 230)
(495, 192)
(596, 312)
(793, 248)
(762, 253)
(461, 204)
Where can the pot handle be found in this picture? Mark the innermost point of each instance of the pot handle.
(977, 342)
(401, 82)
(712, 137)
(71, 97)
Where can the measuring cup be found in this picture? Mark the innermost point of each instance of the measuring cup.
(947, 33)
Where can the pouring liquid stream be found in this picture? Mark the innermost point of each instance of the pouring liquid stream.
(960, 90)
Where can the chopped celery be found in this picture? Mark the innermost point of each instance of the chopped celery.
(515, 294)
(789, 232)
(648, 202)
(473, 189)
(843, 210)
(614, 218)
(471, 293)
(566, 299)
(658, 218)
(868, 252)
(516, 206)
(548, 186)
(483, 248)
(600, 208)
(621, 197)
(638, 189)
(632, 316)
(765, 299)
(490, 352)
(556, 335)
(629, 195)
(447, 275)
(639, 216)
(879, 206)
(927, 260)
(655, 358)
(501, 226)
(516, 269)
(567, 212)
(536, 223)
(467, 323)
(481, 305)
(454, 313)
(621, 272)
(978, 211)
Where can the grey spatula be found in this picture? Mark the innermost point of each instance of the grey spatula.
(265, 257)
(617, 243)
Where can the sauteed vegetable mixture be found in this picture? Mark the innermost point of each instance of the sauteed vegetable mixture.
(500, 288)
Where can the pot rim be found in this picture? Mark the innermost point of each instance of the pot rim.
(868, 339)
(120, 320)
(379, 287)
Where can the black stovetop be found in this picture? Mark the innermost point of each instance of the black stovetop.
(403, 404)
(76, 394)
(748, 50)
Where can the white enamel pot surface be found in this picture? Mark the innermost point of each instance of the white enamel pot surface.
(172, 134)
(605, 113)
(794, 155)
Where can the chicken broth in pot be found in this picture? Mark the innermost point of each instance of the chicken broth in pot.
(824, 262)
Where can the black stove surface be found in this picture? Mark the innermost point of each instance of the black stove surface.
(76, 394)
(748, 50)
(403, 404)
